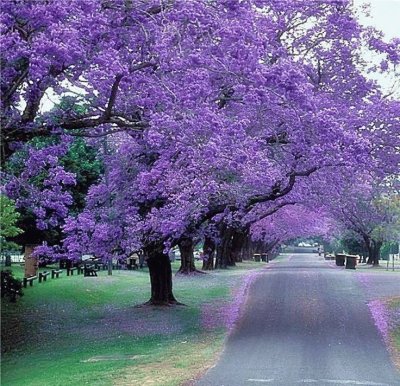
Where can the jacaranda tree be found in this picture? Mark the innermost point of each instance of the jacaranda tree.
(203, 112)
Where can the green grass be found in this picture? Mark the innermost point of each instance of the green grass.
(77, 331)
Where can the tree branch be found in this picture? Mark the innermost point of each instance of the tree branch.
(113, 97)
(277, 192)
(269, 212)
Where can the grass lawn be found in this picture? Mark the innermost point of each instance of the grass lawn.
(87, 331)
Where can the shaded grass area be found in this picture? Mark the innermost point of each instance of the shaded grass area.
(86, 330)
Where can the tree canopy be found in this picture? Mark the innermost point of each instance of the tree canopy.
(201, 113)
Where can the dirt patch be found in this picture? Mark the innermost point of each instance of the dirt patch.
(109, 358)
(195, 359)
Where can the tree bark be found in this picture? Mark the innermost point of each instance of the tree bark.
(186, 247)
(247, 251)
(224, 259)
(374, 252)
(369, 249)
(160, 276)
(238, 243)
(208, 253)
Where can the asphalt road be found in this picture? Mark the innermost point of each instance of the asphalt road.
(304, 322)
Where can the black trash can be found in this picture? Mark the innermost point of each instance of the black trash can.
(340, 259)
(351, 261)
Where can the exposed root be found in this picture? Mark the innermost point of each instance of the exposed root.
(153, 303)
(190, 273)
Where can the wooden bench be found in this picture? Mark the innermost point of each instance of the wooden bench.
(70, 271)
(89, 270)
(29, 279)
(55, 273)
(43, 276)
(100, 266)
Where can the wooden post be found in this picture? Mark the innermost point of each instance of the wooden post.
(31, 263)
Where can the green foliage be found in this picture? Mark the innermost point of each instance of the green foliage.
(10, 286)
(388, 230)
(9, 217)
(82, 160)
(352, 245)
(389, 248)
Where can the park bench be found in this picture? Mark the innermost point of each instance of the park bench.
(89, 270)
(55, 273)
(100, 266)
(29, 279)
(43, 276)
(70, 271)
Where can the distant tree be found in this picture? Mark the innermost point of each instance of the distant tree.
(369, 213)
(55, 184)
(9, 218)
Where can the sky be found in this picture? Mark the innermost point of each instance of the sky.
(385, 15)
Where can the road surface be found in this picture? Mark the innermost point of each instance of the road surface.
(305, 322)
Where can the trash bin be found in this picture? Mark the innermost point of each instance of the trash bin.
(131, 263)
(351, 261)
(340, 259)
(257, 257)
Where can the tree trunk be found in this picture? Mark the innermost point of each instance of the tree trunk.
(369, 248)
(247, 250)
(223, 259)
(237, 246)
(272, 249)
(375, 252)
(208, 253)
(160, 276)
(186, 247)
